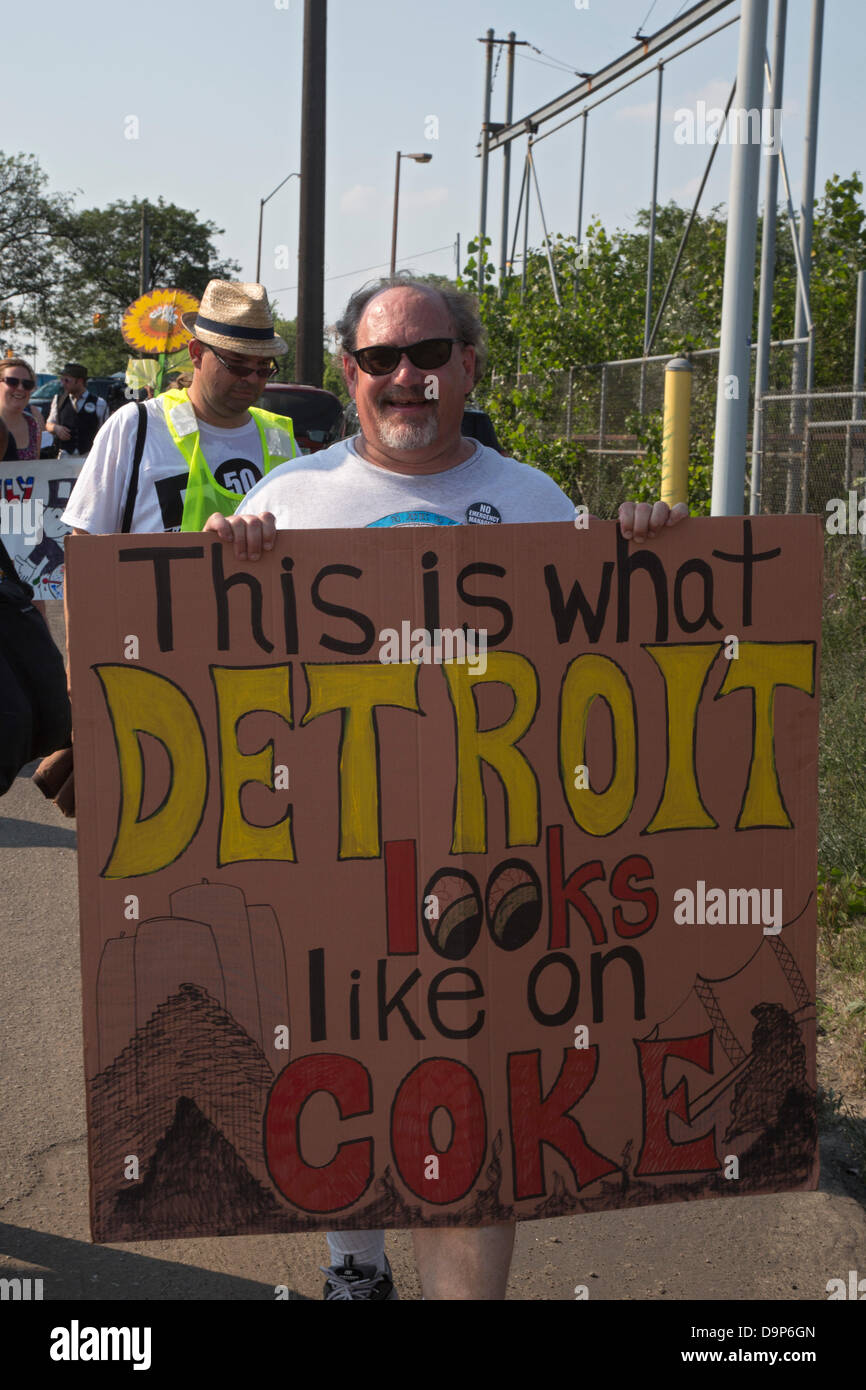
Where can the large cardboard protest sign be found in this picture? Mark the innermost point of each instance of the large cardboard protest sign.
(385, 923)
(33, 498)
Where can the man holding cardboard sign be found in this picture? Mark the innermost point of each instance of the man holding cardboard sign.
(410, 454)
(411, 354)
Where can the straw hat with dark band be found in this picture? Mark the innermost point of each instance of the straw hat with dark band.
(235, 317)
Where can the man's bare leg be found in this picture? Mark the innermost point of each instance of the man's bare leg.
(464, 1262)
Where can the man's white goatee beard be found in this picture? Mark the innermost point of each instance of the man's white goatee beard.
(408, 434)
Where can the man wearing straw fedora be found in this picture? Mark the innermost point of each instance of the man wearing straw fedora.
(169, 463)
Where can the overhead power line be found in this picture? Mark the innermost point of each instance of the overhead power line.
(554, 62)
(539, 63)
(643, 53)
(344, 275)
(640, 27)
(558, 62)
(496, 68)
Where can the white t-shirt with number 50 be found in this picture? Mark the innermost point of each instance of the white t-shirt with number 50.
(97, 503)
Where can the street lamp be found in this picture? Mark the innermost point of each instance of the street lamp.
(262, 202)
(419, 159)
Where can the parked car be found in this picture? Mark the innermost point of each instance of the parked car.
(109, 387)
(44, 395)
(476, 424)
(316, 415)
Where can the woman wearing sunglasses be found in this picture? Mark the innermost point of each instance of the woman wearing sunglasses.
(25, 425)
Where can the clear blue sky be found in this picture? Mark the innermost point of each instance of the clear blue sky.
(216, 90)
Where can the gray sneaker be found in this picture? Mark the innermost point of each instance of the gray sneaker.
(361, 1282)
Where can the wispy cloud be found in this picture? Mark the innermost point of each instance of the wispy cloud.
(362, 198)
(686, 192)
(715, 92)
(428, 198)
(644, 112)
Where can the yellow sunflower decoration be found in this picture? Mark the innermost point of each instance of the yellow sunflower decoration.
(152, 323)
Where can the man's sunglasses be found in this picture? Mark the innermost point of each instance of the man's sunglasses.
(14, 381)
(382, 359)
(236, 370)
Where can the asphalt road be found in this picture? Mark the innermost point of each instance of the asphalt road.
(784, 1247)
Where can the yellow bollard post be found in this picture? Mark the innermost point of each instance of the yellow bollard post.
(675, 434)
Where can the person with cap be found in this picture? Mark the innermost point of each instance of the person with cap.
(76, 413)
(167, 464)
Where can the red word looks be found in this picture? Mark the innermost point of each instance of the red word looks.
(568, 897)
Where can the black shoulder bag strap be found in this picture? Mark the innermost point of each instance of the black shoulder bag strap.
(132, 490)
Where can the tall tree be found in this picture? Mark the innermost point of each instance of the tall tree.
(332, 375)
(533, 397)
(288, 330)
(28, 218)
(838, 252)
(98, 273)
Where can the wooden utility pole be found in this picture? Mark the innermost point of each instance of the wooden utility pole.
(311, 238)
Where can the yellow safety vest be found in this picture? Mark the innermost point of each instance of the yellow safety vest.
(204, 495)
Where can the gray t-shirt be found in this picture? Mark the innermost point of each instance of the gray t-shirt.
(337, 488)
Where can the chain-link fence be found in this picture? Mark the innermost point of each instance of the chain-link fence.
(812, 449)
(609, 415)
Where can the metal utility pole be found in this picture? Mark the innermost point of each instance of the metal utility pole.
(393, 271)
(808, 195)
(732, 393)
(686, 229)
(311, 238)
(259, 243)
(525, 221)
(524, 189)
(579, 203)
(419, 159)
(801, 373)
(652, 225)
(768, 255)
(262, 202)
(859, 345)
(485, 156)
(651, 244)
(144, 254)
(857, 378)
(550, 262)
(506, 169)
